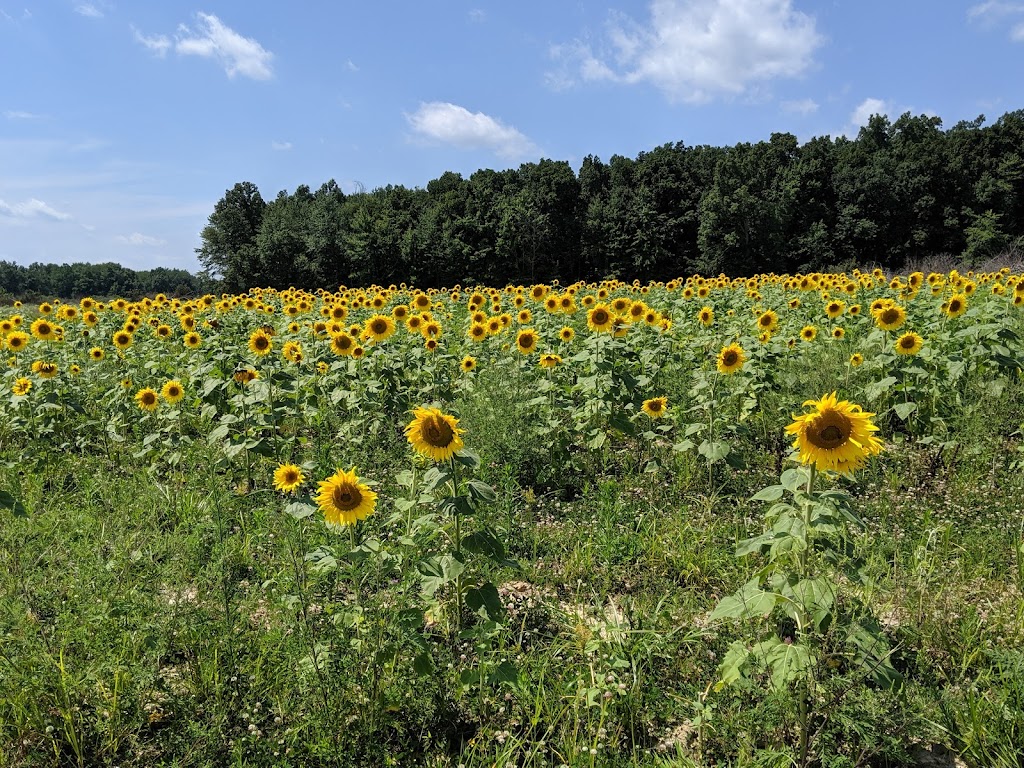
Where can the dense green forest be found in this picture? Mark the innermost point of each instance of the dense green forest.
(900, 192)
(80, 279)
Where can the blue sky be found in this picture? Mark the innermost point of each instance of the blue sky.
(123, 122)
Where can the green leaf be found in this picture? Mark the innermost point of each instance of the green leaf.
(735, 666)
(786, 661)
(903, 410)
(484, 542)
(481, 491)
(749, 600)
(487, 599)
(437, 572)
(771, 493)
(467, 458)
(300, 510)
(714, 450)
(423, 664)
(7, 501)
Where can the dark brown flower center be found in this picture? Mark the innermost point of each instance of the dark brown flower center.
(437, 432)
(346, 496)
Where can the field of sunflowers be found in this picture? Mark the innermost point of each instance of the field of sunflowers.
(770, 521)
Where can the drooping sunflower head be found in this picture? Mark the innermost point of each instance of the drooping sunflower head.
(550, 360)
(856, 359)
(655, 407)
(344, 500)
(731, 359)
(837, 435)
(434, 434)
(909, 343)
(288, 478)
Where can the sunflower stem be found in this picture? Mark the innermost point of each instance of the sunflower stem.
(458, 544)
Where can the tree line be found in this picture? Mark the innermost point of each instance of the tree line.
(899, 192)
(110, 279)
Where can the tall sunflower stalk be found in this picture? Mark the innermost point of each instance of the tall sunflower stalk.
(806, 545)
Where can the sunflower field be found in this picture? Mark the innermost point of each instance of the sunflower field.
(768, 521)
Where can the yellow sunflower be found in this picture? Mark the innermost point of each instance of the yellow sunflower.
(344, 500)
(477, 332)
(549, 360)
(434, 434)
(17, 341)
(599, 318)
(45, 370)
(43, 329)
(956, 305)
(655, 407)
(808, 333)
(526, 341)
(147, 399)
(706, 316)
(21, 386)
(342, 344)
(909, 343)
(836, 436)
(245, 375)
(768, 321)
(891, 317)
(288, 478)
(172, 391)
(379, 328)
(260, 342)
(567, 334)
(468, 363)
(856, 359)
(731, 359)
(192, 340)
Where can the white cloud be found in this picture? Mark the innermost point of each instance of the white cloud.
(88, 9)
(158, 44)
(351, 66)
(211, 39)
(137, 238)
(693, 50)
(866, 109)
(477, 14)
(280, 145)
(800, 106)
(455, 125)
(238, 55)
(996, 12)
(30, 209)
(17, 114)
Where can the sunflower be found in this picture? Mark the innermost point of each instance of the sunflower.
(45, 370)
(834, 309)
(549, 360)
(477, 332)
(599, 318)
(245, 375)
(21, 386)
(342, 344)
(379, 328)
(358, 352)
(260, 342)
(172, 391)
(43, 329)
(706, 316)
(434, 434)
(655, 407)
(909, 343)
(838, 332)
(147, 399)
(524, 317)
(891, 317)
(97, 354)
(856, 359)
(567, 334)
(288, 478)
(344, 500)
(808, 333)
(768, 321)
(292, 351)
(836, 435)
(162, 331)
(956, 305)
(17, 341)
(526, 341)
(731, 359)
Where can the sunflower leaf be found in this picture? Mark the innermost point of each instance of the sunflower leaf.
(9, 502)
(771, 493)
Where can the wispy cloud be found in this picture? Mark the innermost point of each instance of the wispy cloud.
(213, 40)
(158, 44)
(281, 146)
(998, 12)
(31, 209)
(210, 38)
(477, 15)
(137, 239)
(17, 114)
(800, 106)
(351, 66)
(695, 50)
(451, 124)
(88, 9)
